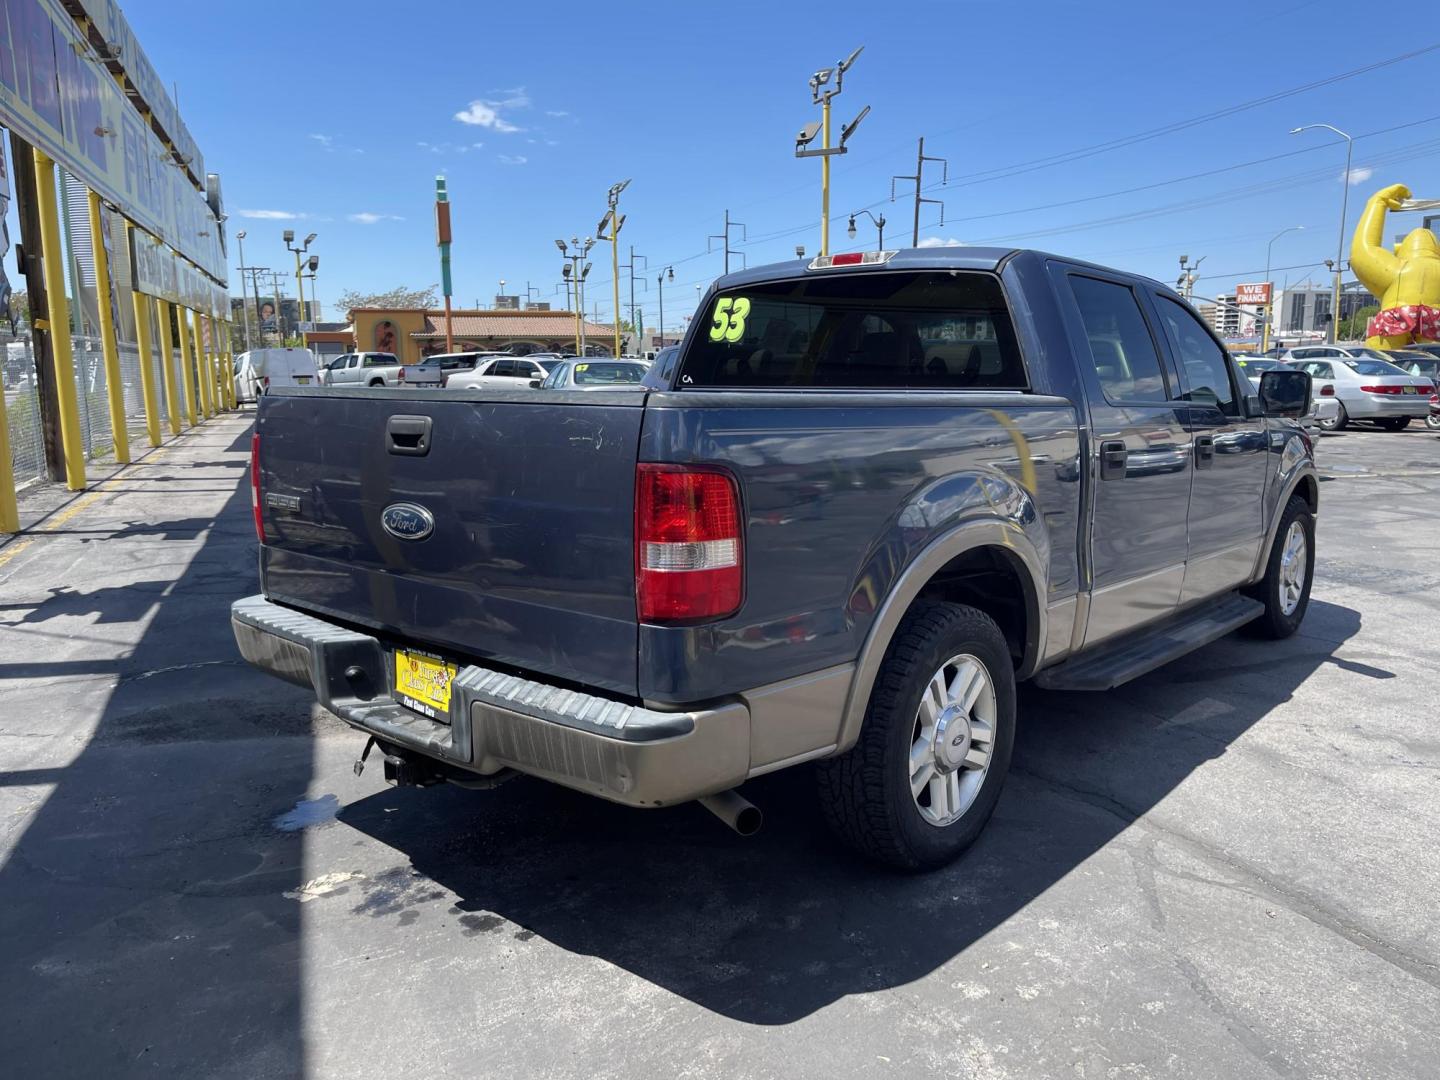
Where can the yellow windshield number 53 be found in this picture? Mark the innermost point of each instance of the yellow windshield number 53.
(729, 318)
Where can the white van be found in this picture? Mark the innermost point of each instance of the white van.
(260, 370)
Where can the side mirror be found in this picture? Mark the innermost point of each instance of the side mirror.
(535, 384)
(1285, 392)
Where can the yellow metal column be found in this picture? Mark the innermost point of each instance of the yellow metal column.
(187, 370)
(221, 393)
(9, 512)
(61, 349)
(167, 366)
(203, 369)
(230, 365)
(147, 366)
(109, 350)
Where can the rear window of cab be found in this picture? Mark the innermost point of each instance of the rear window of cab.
(922, 330)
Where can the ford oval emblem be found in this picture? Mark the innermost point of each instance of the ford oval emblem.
(407, 521)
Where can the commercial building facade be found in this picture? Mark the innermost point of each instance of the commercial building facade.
(415, 333)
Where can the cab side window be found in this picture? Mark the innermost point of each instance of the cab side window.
(1203, 362)
(1121, 347)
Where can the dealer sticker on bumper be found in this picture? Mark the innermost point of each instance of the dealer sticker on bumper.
(422, 682)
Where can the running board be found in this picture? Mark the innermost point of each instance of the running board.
(1140, 653)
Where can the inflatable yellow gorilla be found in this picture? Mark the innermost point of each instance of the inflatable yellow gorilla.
(1407, 280)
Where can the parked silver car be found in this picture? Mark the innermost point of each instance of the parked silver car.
(1366, 384)
(504, 373)
(581, 374)
(1324, 411)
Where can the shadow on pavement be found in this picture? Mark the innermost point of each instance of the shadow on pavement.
(769, 930)
(146, 927)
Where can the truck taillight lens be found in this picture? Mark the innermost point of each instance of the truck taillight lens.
(400, 375)
(255, 487)
(688, 551)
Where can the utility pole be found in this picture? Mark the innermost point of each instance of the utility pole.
(244, 301)
(636, 320)
(821, 91)
(724, 238)
(615, 220)
(919, 179)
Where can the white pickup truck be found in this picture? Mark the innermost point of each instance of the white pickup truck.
(364, 369)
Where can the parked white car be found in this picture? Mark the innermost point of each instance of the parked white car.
(503, 373)
(1365, 385)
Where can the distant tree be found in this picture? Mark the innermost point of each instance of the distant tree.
(398, 297)
(1353, 328)
(19, 314)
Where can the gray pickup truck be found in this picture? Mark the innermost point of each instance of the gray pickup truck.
(873, 493)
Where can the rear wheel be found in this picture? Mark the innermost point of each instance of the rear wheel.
(923, 779)
(1341, 421)
(1395, 423)
(1433, 421)
(1289, 572)
(376, 382)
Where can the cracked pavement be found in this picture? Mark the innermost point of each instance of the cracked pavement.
(1226, 868)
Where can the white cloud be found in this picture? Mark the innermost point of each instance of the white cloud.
(327, 141)
(366, 217)
(514, 98)
(558, 114)
(941, 241)
(270, 215)
(1358, 175)
(485, 114)
(513, 159)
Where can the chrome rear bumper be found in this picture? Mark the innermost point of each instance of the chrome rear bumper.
(622, 752)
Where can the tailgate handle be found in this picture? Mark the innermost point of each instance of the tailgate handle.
(408, 435)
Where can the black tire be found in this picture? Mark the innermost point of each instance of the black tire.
(1432, 422)
(865, 793)
(1341, 421)
(1395, 423)
(1274, 623)
(376, 382)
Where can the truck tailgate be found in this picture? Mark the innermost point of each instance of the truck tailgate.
(530, 562)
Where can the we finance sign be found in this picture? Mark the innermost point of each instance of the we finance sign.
(1254, 294)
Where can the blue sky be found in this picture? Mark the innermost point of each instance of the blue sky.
(343, 115)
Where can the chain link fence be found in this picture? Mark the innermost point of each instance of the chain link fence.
(22, 401)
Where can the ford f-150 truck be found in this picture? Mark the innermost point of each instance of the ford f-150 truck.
(874, 493)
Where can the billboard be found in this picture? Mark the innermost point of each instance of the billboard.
(1252, 294)
(56, 97)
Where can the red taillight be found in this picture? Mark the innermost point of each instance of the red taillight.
(1327, 391)
(255, 487)
(688, 558)
(400, 376)
(1383, 389)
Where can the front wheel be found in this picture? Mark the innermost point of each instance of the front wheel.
(1395, 423)
(1289, 572)
(923, 779)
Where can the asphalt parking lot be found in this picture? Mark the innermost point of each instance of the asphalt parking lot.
(1226, 868)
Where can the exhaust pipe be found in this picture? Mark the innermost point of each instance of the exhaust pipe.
(734, 810)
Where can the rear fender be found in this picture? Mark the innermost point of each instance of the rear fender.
(1008, 523)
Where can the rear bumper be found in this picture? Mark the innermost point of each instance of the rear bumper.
(1367, 406)
(626, 753)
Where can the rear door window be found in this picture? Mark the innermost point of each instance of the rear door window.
(1121, 346)
(931, 330)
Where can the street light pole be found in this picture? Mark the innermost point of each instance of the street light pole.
(661, 282)
(824, 85)
(289, 237)
(1344, 212)
(615, 219)
(879, 226)
(1270, 303)
(244, 300)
